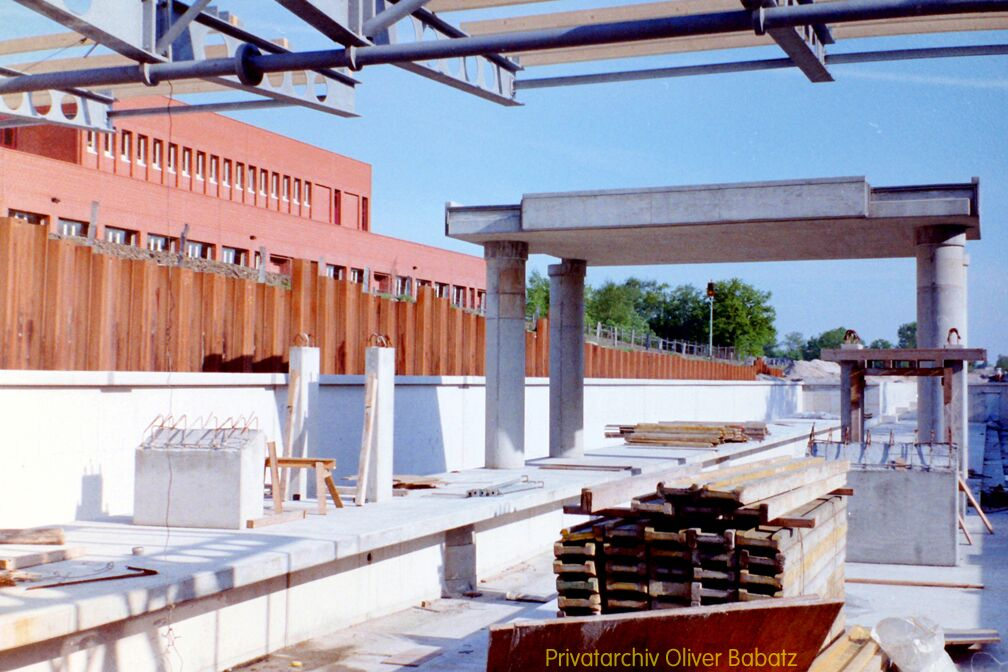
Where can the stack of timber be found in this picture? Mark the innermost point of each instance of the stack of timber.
(687, 434)
(770, 529)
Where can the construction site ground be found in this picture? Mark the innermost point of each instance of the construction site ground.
(450, 635)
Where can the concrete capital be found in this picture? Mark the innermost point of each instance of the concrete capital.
(573, 267)
(940, 234)
(505, 249)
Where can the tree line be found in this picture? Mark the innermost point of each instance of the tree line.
(743, 316)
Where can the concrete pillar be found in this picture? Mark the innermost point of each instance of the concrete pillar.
(380, 362)
(505, 354)
(304, 421)
(941, 305)
(459, 561)
(566, 358)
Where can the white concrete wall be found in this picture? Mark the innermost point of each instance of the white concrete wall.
(882, 397)
(69, 437)
(988, 402)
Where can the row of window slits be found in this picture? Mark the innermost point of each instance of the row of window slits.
(279, 186)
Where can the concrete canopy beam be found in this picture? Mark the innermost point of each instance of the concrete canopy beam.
(836, 218)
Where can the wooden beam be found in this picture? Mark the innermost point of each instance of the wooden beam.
(767, 625)
(915, 584)
(857, 30)
(23, 45)
(976, 505)
(608, 495)
(909, 354)
(462, 5)
(276, 519)
(41, 558)
(52, 536)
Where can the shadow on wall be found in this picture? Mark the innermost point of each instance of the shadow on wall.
(782, 401)
(92, 501)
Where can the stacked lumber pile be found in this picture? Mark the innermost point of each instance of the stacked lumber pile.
(770, 529)
(687, 434)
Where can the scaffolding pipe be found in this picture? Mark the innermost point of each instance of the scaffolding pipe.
(250, 63)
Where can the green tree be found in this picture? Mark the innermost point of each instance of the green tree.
(681, 316)
(791, 346)
(743, 317)
(907, 335)
(615, 306)
(826, 340)
(537, 295)
(881, 343)
(1002, 361)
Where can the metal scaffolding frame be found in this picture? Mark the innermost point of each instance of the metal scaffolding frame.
(198, 50)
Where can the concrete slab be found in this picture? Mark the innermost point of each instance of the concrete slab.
(213, 568)
(832, 218)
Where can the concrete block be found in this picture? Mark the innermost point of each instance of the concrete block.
(460, 563)
(903, 517)
(381, 363)
(199, 478)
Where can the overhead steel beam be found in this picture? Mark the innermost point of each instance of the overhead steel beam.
(757, 65)
(388, 17)
(329, 17)
(165, 40)
(249, 64)
(62, 108)
(233, 106)
(125, 26)
(800, 43)
(83, 93)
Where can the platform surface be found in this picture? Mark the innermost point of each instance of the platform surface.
(197, 563)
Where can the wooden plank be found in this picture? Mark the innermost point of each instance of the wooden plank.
(766, 625)
(306, 462)
(52, 536)
(42, 557)
(364, 459)
(276, 519)
(771, 486)
(915, 584)
(320, 487)
(43, 43)
(970, 637)
(962, 526)
(275, 483)
(333, 492)
(780, 505)
(976, 505)
(606, 495)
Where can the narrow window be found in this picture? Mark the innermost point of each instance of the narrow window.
(125, 150)
(365, 215)
(121, 236)
(226, 174)
(262, 181)
(274, 185)
(307, 194)
(72, 227)
(141, 153)
(239, 176)
(107, 143)
(286, 188)
(186, 161)
(213, 169)
(172, 157)
(200, 165)
(232, 255)
(156, 156)
(92, 142)
(297, 191)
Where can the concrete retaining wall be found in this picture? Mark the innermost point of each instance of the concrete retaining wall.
(70, 436)
(883, 397)
(988, 402)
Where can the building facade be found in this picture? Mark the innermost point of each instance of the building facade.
(209, 186)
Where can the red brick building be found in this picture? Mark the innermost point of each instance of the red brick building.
(247, 195)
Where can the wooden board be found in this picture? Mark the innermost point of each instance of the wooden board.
(607, 495)
(41, 558)
(276, 519)
(52, 536)
(768, 625)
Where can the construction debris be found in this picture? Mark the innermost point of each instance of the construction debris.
(688, 434)
(40, 536)
(856, 651)
(720, 538)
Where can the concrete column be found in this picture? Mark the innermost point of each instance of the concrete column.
(459, 561)
(566, 358)
(304, 436)
(380, 362)
(941, 305)
(505, 354)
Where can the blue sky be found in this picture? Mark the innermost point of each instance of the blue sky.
(898, 123)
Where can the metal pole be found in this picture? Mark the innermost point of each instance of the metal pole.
(554, 38)
(710, 331)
